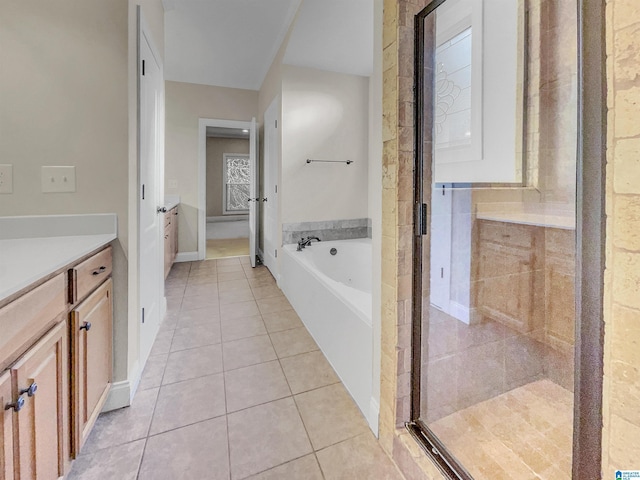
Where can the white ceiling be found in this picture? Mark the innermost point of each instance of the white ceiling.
(232, 43)
(334, 35)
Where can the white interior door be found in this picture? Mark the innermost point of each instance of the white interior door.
(253, 192)
(270, 200)
(441, 205)
(151, 154)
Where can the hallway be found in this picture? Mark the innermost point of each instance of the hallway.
(234, 388)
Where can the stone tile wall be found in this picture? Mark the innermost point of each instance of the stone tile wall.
(327, 230)
(621, 395)
(397, 235)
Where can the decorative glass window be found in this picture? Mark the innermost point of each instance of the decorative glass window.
(237, 174)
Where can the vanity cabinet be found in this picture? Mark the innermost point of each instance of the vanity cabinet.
(91, 340)
(170, 239)
(44, 379)
(526, 280)
(509, 276)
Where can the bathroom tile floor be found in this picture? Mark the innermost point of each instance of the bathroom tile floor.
(525, 433)
(235, 388)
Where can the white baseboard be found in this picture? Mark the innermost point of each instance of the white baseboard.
(119, 396)
(187, 257)
(374, 415)
(459, 311)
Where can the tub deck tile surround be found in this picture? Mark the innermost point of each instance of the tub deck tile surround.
(327, 230)
(234, 389)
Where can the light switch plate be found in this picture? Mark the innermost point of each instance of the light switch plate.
(6, 178)
(58, 179)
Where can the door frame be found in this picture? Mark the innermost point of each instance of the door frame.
(203, 123)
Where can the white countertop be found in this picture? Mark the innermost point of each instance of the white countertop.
(537, 214)
(537, 219)
(34, 254)
(171, 201)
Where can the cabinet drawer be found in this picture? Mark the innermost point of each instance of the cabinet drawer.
(27, 318)
(506, 234)
(91, 273)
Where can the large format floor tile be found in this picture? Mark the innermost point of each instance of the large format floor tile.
(339, 463)
(193, 363)
(308, 371)
(330, 415)
(265, 436)
(235, 389)
(123, 425)
(254, 385)
(248, 351)
(187, 402)
(121, 462)
(195, 452)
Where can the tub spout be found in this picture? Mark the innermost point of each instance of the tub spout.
(305, 242)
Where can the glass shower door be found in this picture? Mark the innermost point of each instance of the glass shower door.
(495, 287)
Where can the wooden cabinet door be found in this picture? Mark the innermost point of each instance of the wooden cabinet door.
(42, 423)
(167, 243)
(507, 287)
(174, 231)
(91, 360)
(6, 427)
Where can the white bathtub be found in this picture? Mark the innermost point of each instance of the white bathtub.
(332, 295)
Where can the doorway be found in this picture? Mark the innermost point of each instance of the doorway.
(227, 192)
(228, 220)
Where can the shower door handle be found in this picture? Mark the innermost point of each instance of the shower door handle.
(421, 216)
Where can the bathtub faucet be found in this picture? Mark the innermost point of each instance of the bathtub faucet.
(305, 242)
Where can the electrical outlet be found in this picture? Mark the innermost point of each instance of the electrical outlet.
(6, 178)
(58, 179)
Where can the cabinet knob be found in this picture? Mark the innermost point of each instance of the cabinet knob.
(86, 326)
(31, 391)
(16, 406)
(99, 271)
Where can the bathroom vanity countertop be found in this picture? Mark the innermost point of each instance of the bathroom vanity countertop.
(33, 255)
(564, 222)
(171, 201)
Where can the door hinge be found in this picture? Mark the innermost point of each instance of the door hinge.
(276, 123)
(143, 67)
(276, 252)
(143, 191)
(420, 218)
(276, 188)
(441, 272)
(142, 314)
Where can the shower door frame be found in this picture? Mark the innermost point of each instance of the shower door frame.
(590, 244)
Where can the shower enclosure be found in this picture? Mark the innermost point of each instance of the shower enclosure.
(494, 342)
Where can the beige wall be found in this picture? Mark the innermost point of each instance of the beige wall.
(324, 116)
(621, 395)
(186, 103)
(64, 92)
(216, 148)
(68, 90)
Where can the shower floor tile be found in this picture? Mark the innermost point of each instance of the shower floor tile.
(235, 388)
(525, 433)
